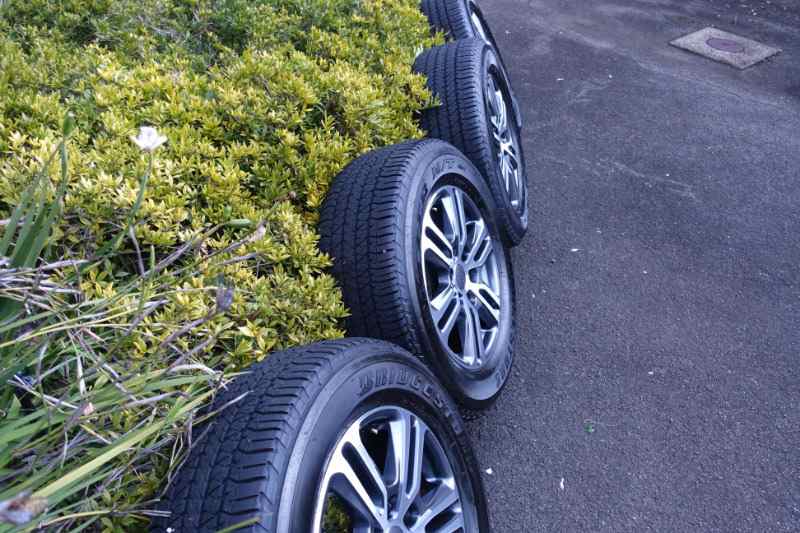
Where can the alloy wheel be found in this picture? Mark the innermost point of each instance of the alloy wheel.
(461, 276)
(505, 142)
(390, 474)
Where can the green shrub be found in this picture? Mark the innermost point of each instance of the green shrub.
(109, 354)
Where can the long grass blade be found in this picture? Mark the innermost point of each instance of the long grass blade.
(24, 203)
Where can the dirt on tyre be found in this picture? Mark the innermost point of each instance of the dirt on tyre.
(475, 116)
(421, 263)
(347, 435)
(464, 19)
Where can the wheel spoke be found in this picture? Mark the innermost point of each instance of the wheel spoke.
(442, 498)
(511, 153)
(408, 443)
(480, 247)
(434, 240)
(442, 303)
(488, 299)
(437, 501)
(456, 523)
(491, 99)
(440, 253)
(497, 132)
(355, 478)
(472, 336)
(505, 170)
(458, 197)
(451, 208)
(502, 114)
(453, 318)
(513, 185)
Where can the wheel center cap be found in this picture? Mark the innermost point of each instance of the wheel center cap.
(460, 277)
(396, 529)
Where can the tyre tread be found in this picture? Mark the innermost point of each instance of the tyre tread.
(448, 16)
(236, 469)
(359, 222)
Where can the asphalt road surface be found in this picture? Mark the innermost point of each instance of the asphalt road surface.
(657, 378)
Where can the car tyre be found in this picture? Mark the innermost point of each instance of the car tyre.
(422, 270)
(357, 420)
(464, 19)
(474, 116)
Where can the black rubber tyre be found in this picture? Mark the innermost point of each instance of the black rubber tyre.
(458, 74)
(370, 224)
(452, 17)
(463, 19)
(262, 458)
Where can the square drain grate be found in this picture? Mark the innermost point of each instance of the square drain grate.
(725, 47)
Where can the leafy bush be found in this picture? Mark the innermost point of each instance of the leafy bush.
(147, 299)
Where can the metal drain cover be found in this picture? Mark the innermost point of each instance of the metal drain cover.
(725, 47)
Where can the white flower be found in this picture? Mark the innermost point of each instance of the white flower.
(148, 139)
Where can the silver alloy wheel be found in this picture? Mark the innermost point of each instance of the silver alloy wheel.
(505, 142)
(477, 23)
(460, 271)
(392, 475)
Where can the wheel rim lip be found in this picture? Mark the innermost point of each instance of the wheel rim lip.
(438, 278)
(477, 22)
(504, 140)
(433, 451)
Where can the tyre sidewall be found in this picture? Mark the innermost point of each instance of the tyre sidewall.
(376, 380)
